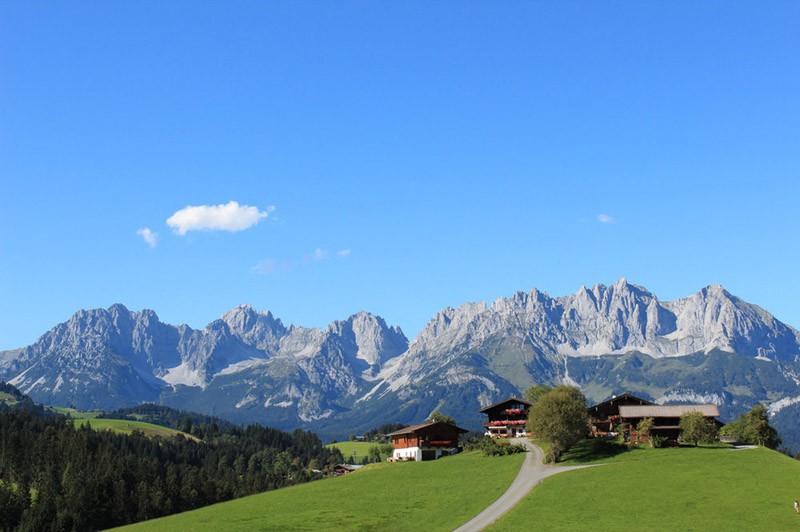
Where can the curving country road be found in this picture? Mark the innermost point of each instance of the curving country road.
(530, 473)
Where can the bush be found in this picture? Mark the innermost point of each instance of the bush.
(492, 447)
(551, 456)
(658, 442)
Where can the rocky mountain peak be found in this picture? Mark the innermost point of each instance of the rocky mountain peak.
(374, 342)
(258, 329)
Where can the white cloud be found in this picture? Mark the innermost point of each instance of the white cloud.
(605, 219)
(265, 267)
(149, 236)
(230, 217)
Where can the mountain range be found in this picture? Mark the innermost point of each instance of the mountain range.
(360, 372)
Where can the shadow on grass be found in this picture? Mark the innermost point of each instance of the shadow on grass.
(592, 450)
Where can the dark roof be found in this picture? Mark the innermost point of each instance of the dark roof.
(620, 396)
(349, 467)
(414, 428)
(636, 411)
(509, 400)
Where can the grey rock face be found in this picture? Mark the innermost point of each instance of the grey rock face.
(614, 320)
(115, 357)
(359, 371)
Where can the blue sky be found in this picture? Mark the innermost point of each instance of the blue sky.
(391, 157)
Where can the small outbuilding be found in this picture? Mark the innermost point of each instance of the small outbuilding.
(345, 469)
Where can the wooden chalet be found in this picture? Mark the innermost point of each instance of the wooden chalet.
(604, 417)
(507, 418)
(345, 469)
(428, 441)
(666, 420)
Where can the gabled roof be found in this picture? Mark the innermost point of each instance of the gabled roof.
(349, 467)
(617, 398)
(636, 411)
(509, 400)
(413, 429)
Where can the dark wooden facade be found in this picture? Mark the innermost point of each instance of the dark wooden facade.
(427, 441)
(666, 420)
(507, 418)
(604, 417)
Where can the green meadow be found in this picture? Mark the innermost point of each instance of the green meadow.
(7, 397)
(682, 488)
(121, 426)
(125, 426)
(685, 488)
(354, 451)
(438, 495)
(75, 414)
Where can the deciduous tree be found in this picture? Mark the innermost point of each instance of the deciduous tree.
(437, 416)
(559, 418)
(533, 393)
(753, 427)
(695, 428)
(643, 429)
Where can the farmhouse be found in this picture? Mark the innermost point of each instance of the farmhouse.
(666, 419)
(604, 417)
(507, 418)
(428, 441)
(344, 469)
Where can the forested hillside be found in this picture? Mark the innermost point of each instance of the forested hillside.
(54, 476)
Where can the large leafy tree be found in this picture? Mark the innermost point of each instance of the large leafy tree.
(695, 428)
(533, 393)
(559, 418)
(437, 416)
(753, 427)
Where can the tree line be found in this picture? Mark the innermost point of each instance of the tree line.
(54, 476)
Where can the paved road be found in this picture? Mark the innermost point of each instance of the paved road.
(531, 473)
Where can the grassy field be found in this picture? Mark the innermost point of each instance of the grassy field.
(682, 488)
(354, 451)
(7, 397)
(438, 495)
(124, 426)
(75, 414)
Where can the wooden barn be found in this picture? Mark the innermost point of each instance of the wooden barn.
(507, 418)
(666, 420)
(427, 441)
(604, 417)
(344, 469)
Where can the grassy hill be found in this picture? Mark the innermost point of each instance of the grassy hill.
(438, 495)
(126, 426)
(73, 413)
(667, 489)
(7, 398)
(120, 426)
(705, 488)
(354, 451)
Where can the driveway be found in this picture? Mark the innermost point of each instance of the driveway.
(530, 473)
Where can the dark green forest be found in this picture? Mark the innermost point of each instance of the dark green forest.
(54, 476)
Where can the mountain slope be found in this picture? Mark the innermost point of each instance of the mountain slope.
(115, 358)
(360, 372)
